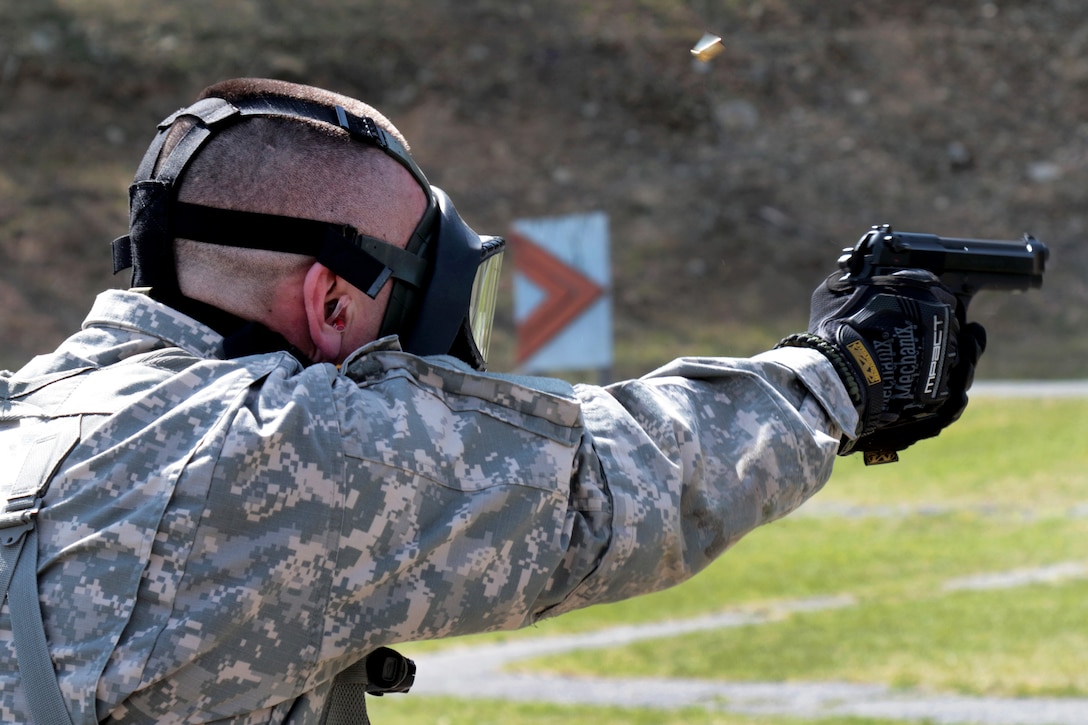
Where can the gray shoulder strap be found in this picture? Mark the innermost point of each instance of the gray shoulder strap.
(19, 568)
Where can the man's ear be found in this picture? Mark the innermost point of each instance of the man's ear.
(318, 292)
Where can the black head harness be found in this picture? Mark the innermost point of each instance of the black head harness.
(436, 286)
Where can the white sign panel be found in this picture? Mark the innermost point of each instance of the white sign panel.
(562, 300)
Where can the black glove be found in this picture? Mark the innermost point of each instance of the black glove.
(880, 445)
(901, 346)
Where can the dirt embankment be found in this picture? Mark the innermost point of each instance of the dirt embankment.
(730, 185)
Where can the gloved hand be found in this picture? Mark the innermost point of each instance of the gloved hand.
(902, 347)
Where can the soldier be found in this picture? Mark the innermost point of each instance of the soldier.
(279, 451)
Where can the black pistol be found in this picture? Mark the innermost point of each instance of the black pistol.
(964, 265)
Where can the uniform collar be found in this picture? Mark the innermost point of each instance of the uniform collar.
(134, 311)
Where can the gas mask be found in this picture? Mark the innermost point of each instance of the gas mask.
(444, 282)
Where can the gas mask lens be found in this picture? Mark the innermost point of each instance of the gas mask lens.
(485, 292)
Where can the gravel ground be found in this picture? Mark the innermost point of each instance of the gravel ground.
(1032, 389)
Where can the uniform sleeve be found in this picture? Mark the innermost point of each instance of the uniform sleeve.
(691, 458)
(477, 502)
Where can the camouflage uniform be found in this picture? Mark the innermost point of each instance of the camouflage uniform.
(229, 534)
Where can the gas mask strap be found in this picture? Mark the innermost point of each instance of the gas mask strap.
(148, 247)
(363, 261)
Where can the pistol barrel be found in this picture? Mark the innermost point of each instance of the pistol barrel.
(965, 265)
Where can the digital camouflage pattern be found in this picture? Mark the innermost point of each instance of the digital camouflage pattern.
(228, 535)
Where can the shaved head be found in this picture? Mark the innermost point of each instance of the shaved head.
(289, 167)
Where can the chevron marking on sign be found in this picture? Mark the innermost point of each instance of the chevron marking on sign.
(567, 294)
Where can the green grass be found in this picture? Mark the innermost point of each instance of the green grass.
(398, 710)
(1003, 490)
(1024, 641)
(1002, 453)
(1027, 643)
